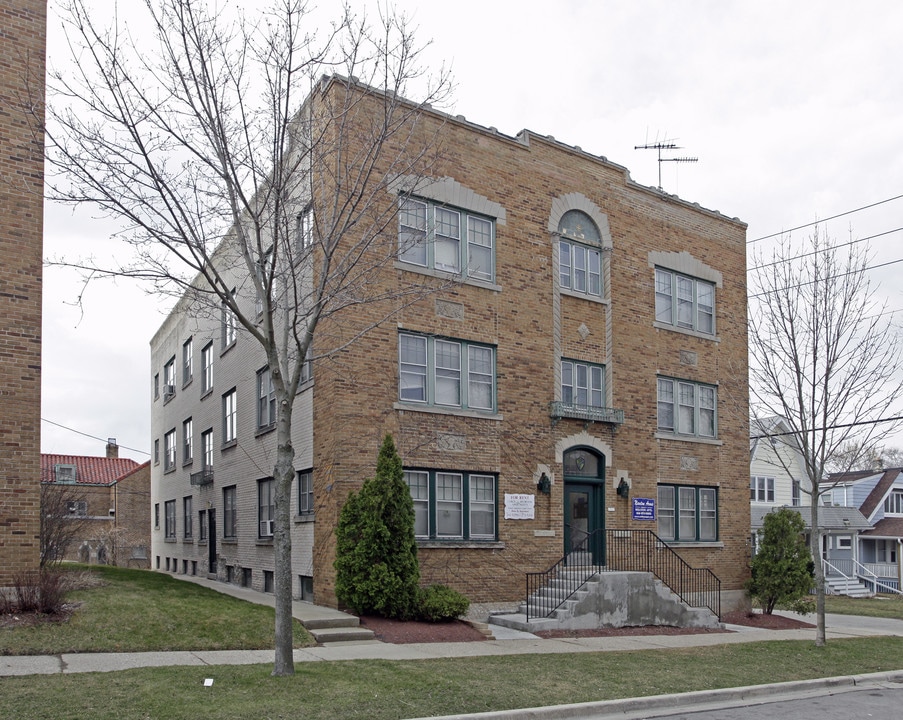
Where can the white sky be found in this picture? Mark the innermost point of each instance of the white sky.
(794, 110)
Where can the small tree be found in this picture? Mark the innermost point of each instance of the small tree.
(782, 569)
(61, 523)
(825, 357)
(376, 553)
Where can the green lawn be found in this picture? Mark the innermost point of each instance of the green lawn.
(885, 606)
(140, 610)
(377, 690)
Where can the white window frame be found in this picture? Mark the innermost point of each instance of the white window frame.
(304, 230)
(169, 379)
(266, 399)
(169, 450)
(207, 362)
(687, 408)
(229, 324)
(582, 384)
(687, 513)
(761, 489)
(207, 448)
(453, 505)
(443, 372)
(446, 239)
(187, 361)
(65, 474)
(266, 507)
(230, 519)
(187, 441)
(684, 302)
(893, 503)
(230, 416)
(580, 268)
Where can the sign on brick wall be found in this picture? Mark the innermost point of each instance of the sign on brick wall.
(519, 506)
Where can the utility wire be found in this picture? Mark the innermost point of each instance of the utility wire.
(816, 222)
(833, 277)
(780, 261)
(830, 427)
(93, 437)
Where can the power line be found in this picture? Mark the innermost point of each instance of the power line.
(93, 437)
(829, 427)
(816, 222)
(815, 252)
(833, 277)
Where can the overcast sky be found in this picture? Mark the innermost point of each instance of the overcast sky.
(794, 110)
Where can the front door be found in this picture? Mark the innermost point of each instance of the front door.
(584, 507)
(211, 542)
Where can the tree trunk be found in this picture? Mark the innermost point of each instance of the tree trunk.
(815, 547)
(283, 476)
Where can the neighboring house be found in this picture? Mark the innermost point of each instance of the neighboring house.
(587, 374)
(879, 497)
(107, 502)
(778, 478)
(23, 34)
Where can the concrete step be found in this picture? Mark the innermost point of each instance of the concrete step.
(341, 634)
(518, 621)
(339, 620)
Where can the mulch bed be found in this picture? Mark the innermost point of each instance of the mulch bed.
(401, 632)
(766, 622)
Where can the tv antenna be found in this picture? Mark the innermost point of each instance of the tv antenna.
(665, 145)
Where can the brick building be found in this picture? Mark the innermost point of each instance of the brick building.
(102, 505)
(586, 370)
(22, 43)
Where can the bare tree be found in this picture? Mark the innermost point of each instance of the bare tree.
(855, 457)
(249, 178)
(823, 356)
(63, 520)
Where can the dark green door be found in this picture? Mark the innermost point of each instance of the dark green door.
(584, 506)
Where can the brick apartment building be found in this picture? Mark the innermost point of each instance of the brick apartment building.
(106, 503)
(22, 44)
(595, 340)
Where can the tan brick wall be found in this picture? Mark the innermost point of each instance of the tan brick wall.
(22, 42)
(355, 401)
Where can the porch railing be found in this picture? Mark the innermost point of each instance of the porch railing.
(853, 571)
(624, 551)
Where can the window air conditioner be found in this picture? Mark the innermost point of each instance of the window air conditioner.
(267, 528)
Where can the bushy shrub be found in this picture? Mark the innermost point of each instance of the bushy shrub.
(782, 569)
(376, 552)
(439, 603)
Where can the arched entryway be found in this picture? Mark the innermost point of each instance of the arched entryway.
(584, 505)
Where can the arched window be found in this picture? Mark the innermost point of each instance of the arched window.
(580, 254)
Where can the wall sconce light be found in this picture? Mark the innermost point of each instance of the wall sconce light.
(544, 485)
(623, 488)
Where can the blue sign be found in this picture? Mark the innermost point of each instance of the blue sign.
(643, 508)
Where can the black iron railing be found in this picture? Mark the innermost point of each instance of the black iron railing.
(547, 591)
(624, 551)
(203, 477)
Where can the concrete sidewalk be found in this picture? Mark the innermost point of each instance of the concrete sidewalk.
(506, 642)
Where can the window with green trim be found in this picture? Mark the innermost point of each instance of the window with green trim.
(582, 384)
(453, 505)
(684, 302)
(687, 513)
(445, 372)
(443, 238)
(687, 408)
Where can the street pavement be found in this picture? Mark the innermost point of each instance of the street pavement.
(505, 642)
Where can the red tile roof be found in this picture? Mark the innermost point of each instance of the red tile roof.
(89, 470)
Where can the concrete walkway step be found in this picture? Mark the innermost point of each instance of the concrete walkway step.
(324, 635)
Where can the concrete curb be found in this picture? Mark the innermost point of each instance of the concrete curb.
(627, 707)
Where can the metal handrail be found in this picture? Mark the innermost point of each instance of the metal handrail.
(862, 574)
(625, 550)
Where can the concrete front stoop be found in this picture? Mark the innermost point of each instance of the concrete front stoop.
(614, 599)
(327, 630)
